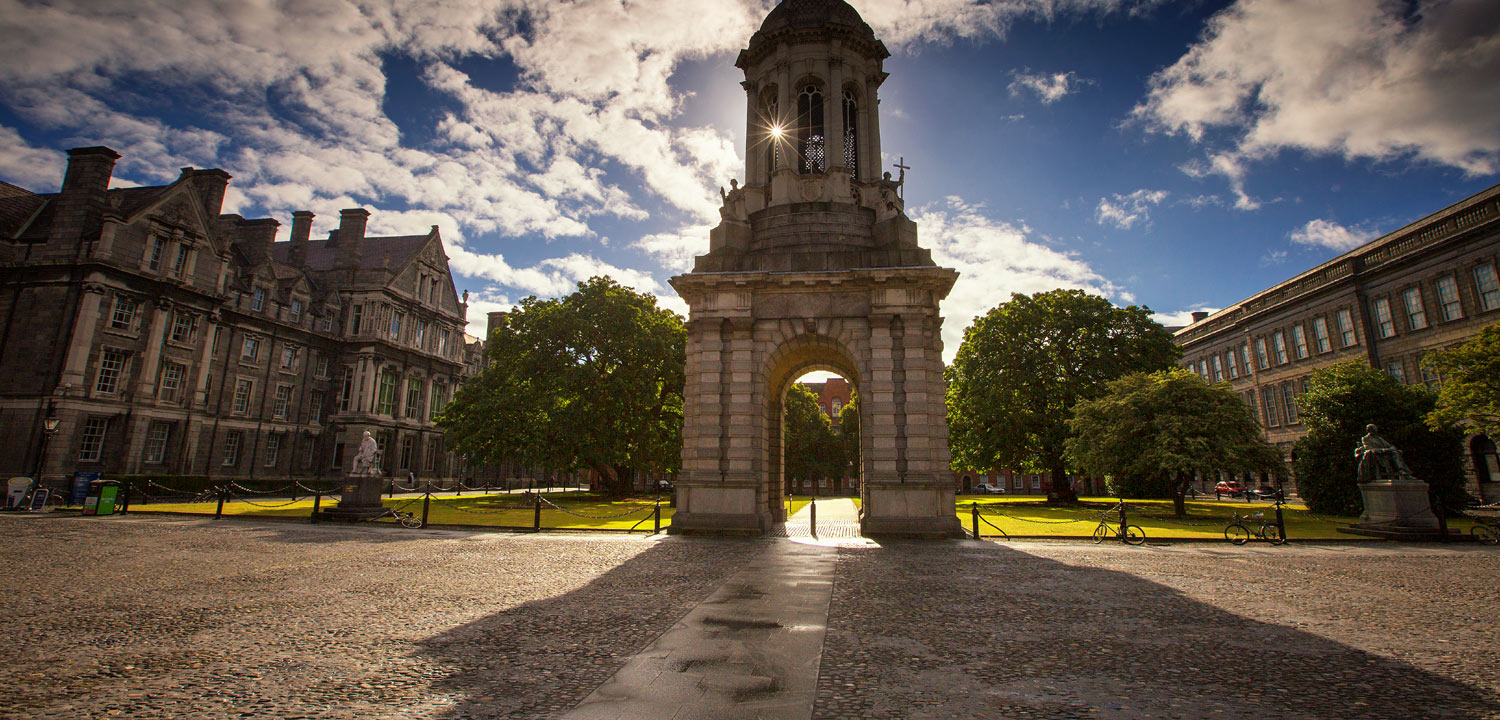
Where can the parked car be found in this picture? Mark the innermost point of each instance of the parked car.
(1230, 488)
(986, 489)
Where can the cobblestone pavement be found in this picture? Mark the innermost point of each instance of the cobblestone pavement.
(1067, 630)
(155, 618)
(186, 618)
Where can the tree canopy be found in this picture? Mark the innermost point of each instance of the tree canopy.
(1152, 432)
(1470, 392)
(1024, 365)
(814, 448)
(592, 380)
(1337, 402)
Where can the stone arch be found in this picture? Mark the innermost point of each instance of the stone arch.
(810, 97)
(792, 359)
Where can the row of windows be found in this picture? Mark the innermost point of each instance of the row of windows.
(1449, 306)
(807, 135)
(159, 435)
(384, 321)
(294, 308)
(385, 394)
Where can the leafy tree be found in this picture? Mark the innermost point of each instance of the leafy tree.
(1337, 403)
(1151, 432)
(849, 435)
(1470, 395)
(1023, 366)
(813, 448)
(591, 380)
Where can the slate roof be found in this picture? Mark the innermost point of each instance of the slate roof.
(17, 205)
(375, 253)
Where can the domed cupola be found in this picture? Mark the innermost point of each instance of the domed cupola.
(813, 15)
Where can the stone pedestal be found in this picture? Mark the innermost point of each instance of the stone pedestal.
(720, 507)
(913, 509)
(1397, 510)
(359, 499)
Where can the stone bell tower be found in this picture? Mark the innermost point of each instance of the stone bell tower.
(814, 266)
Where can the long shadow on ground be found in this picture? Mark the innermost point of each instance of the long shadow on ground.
(976, 630)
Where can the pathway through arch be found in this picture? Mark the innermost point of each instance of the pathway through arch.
(838, 518)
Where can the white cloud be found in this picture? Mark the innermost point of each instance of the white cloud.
(1331, 235)
(36, 169)
(1049, 87)
(994, 259)
(1124, 211)
(676, 249)
(1182, 318)
(1273, 257)
(1356, 78)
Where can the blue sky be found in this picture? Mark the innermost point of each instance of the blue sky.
(1181, 155)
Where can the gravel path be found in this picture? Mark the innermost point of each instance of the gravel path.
(142, 617)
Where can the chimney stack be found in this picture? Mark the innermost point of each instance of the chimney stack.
(210, 186)
(82, 201)
(255, 238)
(1199, 316)
(301, 231)
(89, 170)
(351, 235)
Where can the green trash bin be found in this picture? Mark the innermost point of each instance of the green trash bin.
(101, 498)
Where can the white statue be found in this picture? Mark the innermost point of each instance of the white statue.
(367, 462)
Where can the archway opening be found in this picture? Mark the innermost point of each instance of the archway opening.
(820, 449)
(813, 416)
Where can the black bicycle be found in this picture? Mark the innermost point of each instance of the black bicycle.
(1134, 535)
(1239, 533)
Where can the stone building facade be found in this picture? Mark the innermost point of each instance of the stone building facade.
(814, 266)
(167, 338)
(1429, 285)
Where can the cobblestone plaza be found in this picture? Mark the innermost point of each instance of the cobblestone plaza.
(152, 618)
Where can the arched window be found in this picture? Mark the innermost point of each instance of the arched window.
(811, 143)
(851, 134)
(773, 143)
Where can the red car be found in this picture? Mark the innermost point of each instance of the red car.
(1230, 488)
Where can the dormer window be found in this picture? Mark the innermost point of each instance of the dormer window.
(258, 299)
(180, 262)
(158, 249)
(296, 310)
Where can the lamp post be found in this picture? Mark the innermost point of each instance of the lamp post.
(49, 426)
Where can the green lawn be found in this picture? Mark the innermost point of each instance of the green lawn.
(1029, 516)
(580, 511)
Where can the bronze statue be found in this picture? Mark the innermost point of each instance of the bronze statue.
(1379, 459)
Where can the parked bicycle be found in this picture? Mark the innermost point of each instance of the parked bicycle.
(1134, 535)
(1485, 530)
(407, 519)
(1239, 532)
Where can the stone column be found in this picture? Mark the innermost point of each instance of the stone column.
(871, 149)
(367, 393)
(755, 153)
(833, 113)
(881, 398)
(205, 360)
(82, 342)
(741, 378)
(146, 385)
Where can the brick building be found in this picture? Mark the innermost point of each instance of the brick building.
(833, 395)
(166, 338)
(1429, 285)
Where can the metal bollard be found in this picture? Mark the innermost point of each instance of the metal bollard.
(125, 498)
(975, 507)
(1280, 522)
(1122, 521)
(390, 488)
(656, 521)
(223, 493)
(426, 500)
(812, 520)
(317, 503)
(536, 522)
